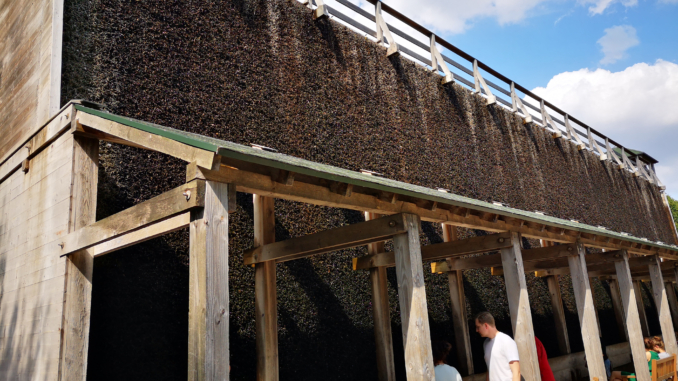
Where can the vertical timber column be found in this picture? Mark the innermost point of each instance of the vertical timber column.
(632, 317)
(558, 314)
(519, 305)
(618, 309)
(412, 296)
(462, 337)
(638, 289)
(208, 315)
(380, 312)
(78, 283)
(595, 308)
(673, 303)
(587, 314)
(662, 303)
(265, 292)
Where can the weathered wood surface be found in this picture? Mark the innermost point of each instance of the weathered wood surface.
(168, 204)
(494, 260)
(437, 251)
(412, 296)
(587, 314)
(383, 336)
(558, 314)
(662, 303)
(638, 290)
(519, 305)
(632, 318)
(34, 214)
(265, 292)
(617, 305)
(344, 237)
(673, 302)
(208, 317)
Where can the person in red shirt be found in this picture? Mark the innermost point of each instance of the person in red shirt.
(544, 367)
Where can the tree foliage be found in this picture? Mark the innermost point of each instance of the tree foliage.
(673, 204)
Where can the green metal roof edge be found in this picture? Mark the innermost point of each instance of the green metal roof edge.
(328, 172)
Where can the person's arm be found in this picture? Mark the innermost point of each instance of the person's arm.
(515, 369)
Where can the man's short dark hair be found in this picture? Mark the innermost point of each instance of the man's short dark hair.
(485, 317)
(440, 350)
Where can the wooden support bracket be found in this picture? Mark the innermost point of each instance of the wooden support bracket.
(593, 145)
(517, 103)
(547, 120)
(572, 134)
(438, 63)
(382, 31)
(480, 81)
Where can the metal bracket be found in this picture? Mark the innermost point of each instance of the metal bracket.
(593, 145)
(382, 31)
(572, 133)
(613, 155)
(491, 99)
(438, 63)
(518, 103)
(546, 118)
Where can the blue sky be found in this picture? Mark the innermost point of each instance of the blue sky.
(611, 63)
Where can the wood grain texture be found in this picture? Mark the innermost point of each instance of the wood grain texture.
(519, 305)
(265, 292)
(632, 318)
(662, 303)
(208, 357)
(558, 314)
(412, 296)
(618, 308)
(637, 289)
(587, 314)
(673, 302)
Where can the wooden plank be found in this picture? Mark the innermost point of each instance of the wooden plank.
(79, 265)
(558, 314)
(412, 296)
(383, 336)
(208, 357)
(144, 234)
(330, 240)
(494, 260)
(637, 288)
(673, 302)
(462, 338)
(437, 251)
(587, 314)
(519, 306)
(662, 303)
(632, 318)
(166, 205)
(202, 158)
(265, 292)
(618, 308)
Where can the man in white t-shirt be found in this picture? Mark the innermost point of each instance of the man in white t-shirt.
(501, 352)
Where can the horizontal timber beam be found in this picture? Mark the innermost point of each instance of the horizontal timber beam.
(473, 245)
(494, 260)
(344, 237)
(164, 206)
(259, 183)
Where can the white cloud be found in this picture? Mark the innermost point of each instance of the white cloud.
(636, 107)
(616, 41)
(599, 6)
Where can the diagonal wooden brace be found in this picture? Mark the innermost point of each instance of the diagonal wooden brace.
(571, 133)
(382, 31)
(628, 164)
(613, 155)
(546, 117)
(320, 11)
(479, 81)
(517, 103)
(593, 145)
(437, 62)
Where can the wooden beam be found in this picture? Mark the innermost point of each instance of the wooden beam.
(462, 337)
(77, 300)
(265, 292)
(381, 313)
(587, 315)
(330, 240)
(662, 303)
(144, 234)
(637, 289)
(519, 306)
(109, 130)
(558, 315)
(632, 318)
(168, 204)
(618, 309)
(412, 296)
(673, 302)
(494, 260)
(208, 353)
(438, 251)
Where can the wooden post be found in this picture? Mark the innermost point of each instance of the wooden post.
(265, 292)
(587, 314)
(380, 312)
(519, 305)
(662, 303)
(208, 316)
(462, 338)
(673, 302)
(78, 287)
(637, 288)
(618, 309)
(595, 309)
(412, 296)
(632, 317)
(558, 314)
